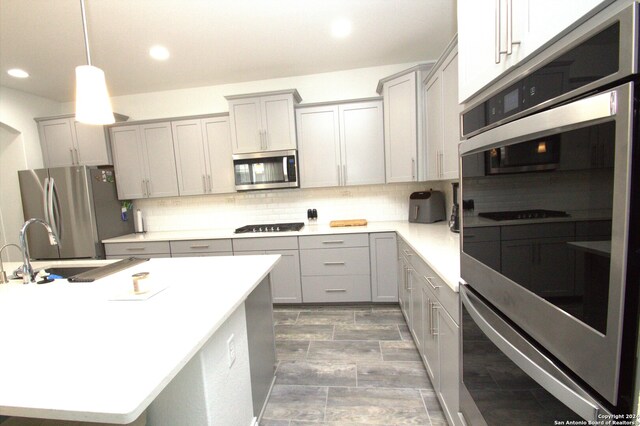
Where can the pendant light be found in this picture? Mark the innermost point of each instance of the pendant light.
(93, 105)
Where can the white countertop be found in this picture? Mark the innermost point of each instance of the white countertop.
(70, 353)
(434, 242)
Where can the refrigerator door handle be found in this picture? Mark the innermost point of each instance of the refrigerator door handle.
(54, 209)
(530, 360)
(45, 200)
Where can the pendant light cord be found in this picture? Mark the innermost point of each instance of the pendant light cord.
(86, 35)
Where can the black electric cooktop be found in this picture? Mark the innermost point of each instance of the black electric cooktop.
(271, 227)
(523, 214)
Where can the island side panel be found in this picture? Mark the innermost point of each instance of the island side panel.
(208, 391)
(261, 338)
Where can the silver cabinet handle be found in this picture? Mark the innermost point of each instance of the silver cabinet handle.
(407, 252)
(334, 263)
(73, 161)
(336, 290)
(210, 184)
(413, 168)
(204, 183)
(510, 41)
(144, 189)
(409, 280)
(136, 248)
(148, 189)
(199, 246)
(433, 286)
(497, 33)
(333, 242)
(266, 140)
(344, 174)
(441, 163)
(434, 329)
(77, 156)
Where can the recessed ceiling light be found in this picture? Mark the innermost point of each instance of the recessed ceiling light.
(341, 28)
(18, 73)
(159, 52)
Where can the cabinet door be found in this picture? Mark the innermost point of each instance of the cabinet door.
(384, 267)
(402, 285)
(400, 129)
(278, 122)
(433, 101)
(245, 118)
(285, 277)
(93, 149)
(429, 350)
(190, 157)
(319, 150)
(58, 147)
(217, 139)
(450, 118)
(157, 142)
(482, 29)
(448, 357)
(362, 137)
(128, 162)
(416, 325)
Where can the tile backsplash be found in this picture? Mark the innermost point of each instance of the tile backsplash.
(371, 202)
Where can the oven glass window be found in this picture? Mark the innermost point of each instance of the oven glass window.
(501, 391)
(263, 170)
(548, 230)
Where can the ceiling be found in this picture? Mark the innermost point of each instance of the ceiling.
(211, 41)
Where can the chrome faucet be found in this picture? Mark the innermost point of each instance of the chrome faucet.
(3, 274)
(27, 270)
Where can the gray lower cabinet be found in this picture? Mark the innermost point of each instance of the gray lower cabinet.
(383, 252)
(335, 268)
(432, 310)
(149, 249)
(285, 277)
(200, 248)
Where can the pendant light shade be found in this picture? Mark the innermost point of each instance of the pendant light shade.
(93, 105)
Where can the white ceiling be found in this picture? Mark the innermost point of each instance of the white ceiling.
(211, 41)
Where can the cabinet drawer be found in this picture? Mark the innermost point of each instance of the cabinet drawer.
(331, 241)
(132, 249)
(539, 230)
(146, 256)
(266, 243)
(488, 233)
(336, 289)
(217, 253)
(432, 281)
(346, 261)
(200, 246)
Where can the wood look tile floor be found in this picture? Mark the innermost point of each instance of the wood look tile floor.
(347, 366)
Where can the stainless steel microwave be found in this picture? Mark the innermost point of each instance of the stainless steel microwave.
(266, 170)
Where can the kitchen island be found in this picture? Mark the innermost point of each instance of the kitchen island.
(74, 351)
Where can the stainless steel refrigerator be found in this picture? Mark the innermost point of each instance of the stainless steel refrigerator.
(81, 204)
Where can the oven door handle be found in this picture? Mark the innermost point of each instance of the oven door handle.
(531, 360)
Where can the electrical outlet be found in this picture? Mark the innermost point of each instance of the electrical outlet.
(231, 350)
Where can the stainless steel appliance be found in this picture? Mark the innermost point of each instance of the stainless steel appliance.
(426, 207)
(80, 203)
(271, 227)
(266, 170)
(550, 303)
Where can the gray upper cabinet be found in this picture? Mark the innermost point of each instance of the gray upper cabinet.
(442, 115)
(66, 142)
(263, 121)
(341, 144)
(144, 161)
(203, 155)
(403, 125)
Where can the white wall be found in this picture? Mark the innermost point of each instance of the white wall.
(19, 150)
(340, 85)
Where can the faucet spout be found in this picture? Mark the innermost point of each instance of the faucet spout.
(27, 270)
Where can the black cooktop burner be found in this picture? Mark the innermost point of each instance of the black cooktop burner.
(523, 214)
(271, 227)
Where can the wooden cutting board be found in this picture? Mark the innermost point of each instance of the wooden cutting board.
(349, 222)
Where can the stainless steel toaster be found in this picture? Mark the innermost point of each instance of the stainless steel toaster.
(426, 207)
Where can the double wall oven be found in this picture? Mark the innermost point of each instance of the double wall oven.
(550, 251)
